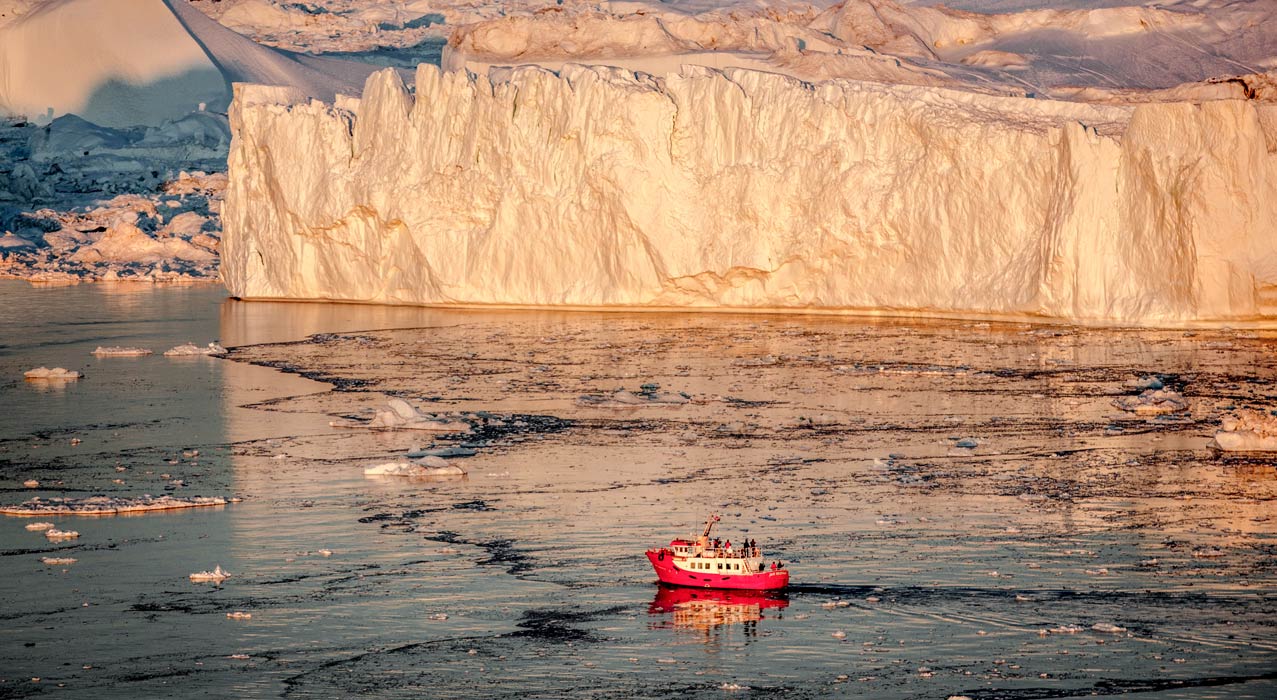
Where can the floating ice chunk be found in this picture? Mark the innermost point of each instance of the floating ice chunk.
(120, 351)
(731, 687)
(1248, 431)
(58, 561)
(443, 452)
(402, 416)
(1066, 629)
(838, 634)
(56, 535)
(413, 469)
(108, 505)
(235, 615)
(39, 527)
(191, 349)
(57, 373)
(1208, 553)
(325, 552)
(217, 575)
(31, 484)
(1153, 402)
(438, 616)
(648, 395)
(1145, 383)
(1107, 628)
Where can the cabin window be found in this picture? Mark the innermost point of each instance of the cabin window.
(720, 566)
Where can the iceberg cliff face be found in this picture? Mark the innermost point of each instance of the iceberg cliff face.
(735, 188)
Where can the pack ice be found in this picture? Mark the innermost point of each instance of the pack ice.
(597, 186)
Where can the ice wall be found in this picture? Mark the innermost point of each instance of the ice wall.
(600, 187)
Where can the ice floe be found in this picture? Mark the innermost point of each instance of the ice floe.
(57, 535)
(1107, 628)
(191, 349)
(1153, 402)
(414, 469)
(39, 527)
(120, 351)
(234, 615)
(58, 561)
(110, 505)
(403, 416)
(217, 575)
(1248, 431)
(647, 395)
(55, 374)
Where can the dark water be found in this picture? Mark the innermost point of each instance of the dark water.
(832, 441)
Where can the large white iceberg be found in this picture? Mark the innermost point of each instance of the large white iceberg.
(600, 186)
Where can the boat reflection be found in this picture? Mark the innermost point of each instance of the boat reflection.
(707, 609)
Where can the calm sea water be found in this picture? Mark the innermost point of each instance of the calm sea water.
(920, 568)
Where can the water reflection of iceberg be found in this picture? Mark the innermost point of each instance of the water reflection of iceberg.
(708, 608)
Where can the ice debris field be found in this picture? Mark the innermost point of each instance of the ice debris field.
(1092, 162)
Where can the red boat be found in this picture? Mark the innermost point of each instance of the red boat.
(706, 563)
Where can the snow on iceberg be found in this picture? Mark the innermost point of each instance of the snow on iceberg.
(1248, 431)
(745, 189)
(144, 62)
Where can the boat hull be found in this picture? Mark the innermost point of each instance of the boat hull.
(663, 562)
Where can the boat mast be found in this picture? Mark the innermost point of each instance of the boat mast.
(709, 525)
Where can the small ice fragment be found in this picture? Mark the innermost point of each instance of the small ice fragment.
(872, 599)
(473, 652)
(1208, 553)
(666, 661)
(58, 561)
(1107, 628)
(838, 634)
(1152, 402)
(39, 527)
(413, 469)
(55, 374)
(239, 615)
(1066, 629)
(119, 351)
(240, 657)
(217, 575)
(1098, 572)
(1145, 383)
(438, 616)
(55, 534)
(31, 483)
(191, 349)
(731, 687)
(325, 552)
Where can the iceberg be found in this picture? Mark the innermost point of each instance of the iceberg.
(1248, 431)
(597, 186)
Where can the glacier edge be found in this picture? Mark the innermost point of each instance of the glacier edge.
(741, 189)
